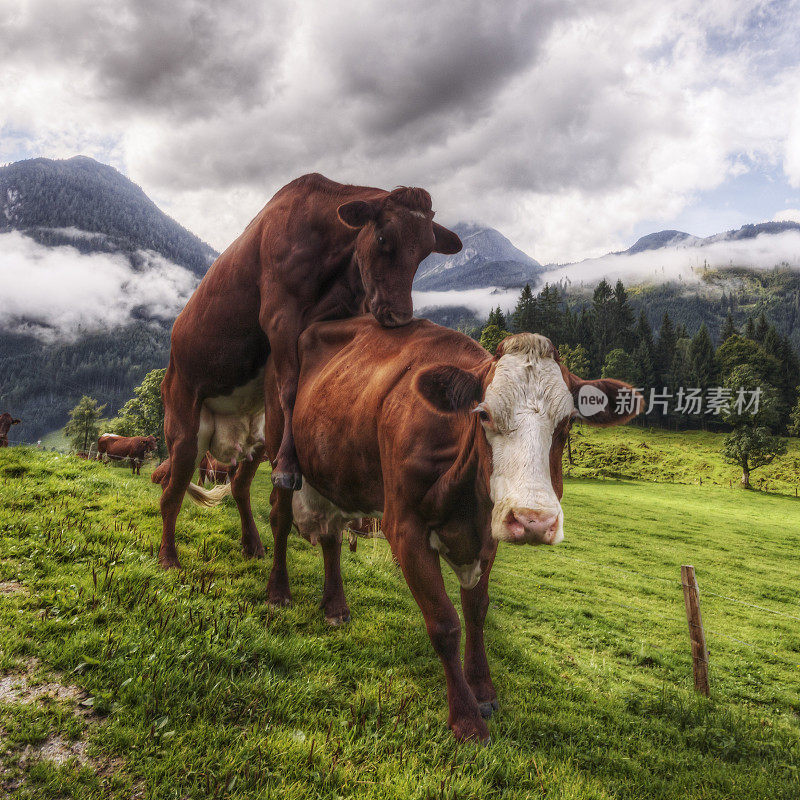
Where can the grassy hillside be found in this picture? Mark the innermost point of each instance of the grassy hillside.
(690, 457)
(197, 688)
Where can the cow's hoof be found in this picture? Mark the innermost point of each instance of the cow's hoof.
(338, 621)
(280, 600)
(287, 480)
(169, 561)
(467, 730)
(249, 551)
(488, 707)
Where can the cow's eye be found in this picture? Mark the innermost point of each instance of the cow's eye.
(381, 240)
(483, 416)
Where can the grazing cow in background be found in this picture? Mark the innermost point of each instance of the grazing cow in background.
(457, 449)
(214, 471)
(6, 421)
(136, 448)
(318, 250)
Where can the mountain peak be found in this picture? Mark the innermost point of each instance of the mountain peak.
(487, 258)
(45, 197)
(654, 241)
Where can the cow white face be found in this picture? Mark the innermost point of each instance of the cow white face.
(525, 403)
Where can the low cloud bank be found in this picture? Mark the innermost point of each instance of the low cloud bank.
(682, 263)
(57, 291)
(670, 264)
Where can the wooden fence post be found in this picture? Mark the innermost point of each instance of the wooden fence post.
(691, 597)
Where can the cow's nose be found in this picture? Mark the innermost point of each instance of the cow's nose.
(527, 526)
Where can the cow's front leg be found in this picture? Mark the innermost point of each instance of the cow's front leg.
(280, 520)
(420, 565)
(475, 603)
(334, 604)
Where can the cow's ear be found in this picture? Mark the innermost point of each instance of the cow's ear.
(447, 242)
(605, 401)
(16, 421)
(448, 388)
(357, 213)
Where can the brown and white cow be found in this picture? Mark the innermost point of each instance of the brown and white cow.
(6, 421)
(318, 250)
(111, 446)
(458, 450)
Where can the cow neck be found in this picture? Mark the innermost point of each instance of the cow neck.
(471, 467)
(356, 285)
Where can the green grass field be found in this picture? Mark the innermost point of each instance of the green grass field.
(691, 457)
(198, 689)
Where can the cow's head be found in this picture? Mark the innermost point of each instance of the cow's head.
(525, 401)
(6, 421)
(395, 234)
(150, 444)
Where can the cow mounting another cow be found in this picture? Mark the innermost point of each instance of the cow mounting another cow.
(318, 250)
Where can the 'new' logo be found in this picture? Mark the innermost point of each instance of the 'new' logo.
(591, 400)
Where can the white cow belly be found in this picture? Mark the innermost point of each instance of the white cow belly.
(232, 426)
(316, 517)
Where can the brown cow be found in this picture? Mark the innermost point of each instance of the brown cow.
(214, 471)
(318, 250)
(6, 421)
(382, 425)
(114, 447)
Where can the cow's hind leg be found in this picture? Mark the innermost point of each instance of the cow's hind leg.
(280, 518)
(420, 565)
(240, 489)
(181, 426)
(334, 604)
(475, 603)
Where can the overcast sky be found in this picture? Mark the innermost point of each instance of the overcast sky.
(572, 126)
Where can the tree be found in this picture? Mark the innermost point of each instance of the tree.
(665, 349)
(794, 421)
(548, 304)
(82, 427)
(762, 326)
(619, 365)
(703, 359)
(728, 329)
(603, 322)
(524, 317)
(491, 336)
(575, 359)
(750, 329)
(143, 414)
(622, 334)
(751, 444)
(496, 317)
(750, 448)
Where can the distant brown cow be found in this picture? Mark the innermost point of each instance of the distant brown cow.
(382, 426)
(214, 471)
(136, 448)
(6, 421)
(318, 250)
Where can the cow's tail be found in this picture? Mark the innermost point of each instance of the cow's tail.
(208, 497)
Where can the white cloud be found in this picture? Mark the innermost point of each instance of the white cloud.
(54, 291)
(787, 215)
(562, 124)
